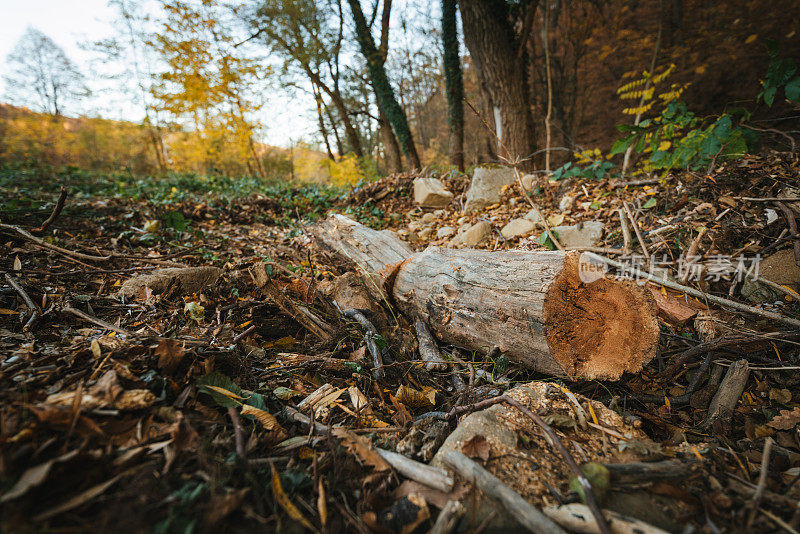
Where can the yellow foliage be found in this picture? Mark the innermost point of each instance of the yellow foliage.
(346, 171)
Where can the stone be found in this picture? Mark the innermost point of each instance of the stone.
(180, 281)
(533, 216)
(425, 232)
(439, 213)
(430, 193)
(445, 231)
(580, 235)
(566, 203)
(462, 220)
(485, 187)
(428, 218)
(518, 227)
(529, 181)
(413, 226)
(476, 234)
(779, 268)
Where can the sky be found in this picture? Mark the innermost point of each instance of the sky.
(71, 22)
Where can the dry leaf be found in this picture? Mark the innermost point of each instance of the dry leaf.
(362, 448)
(477, 447)
(415, 398)
(266, 419)
(170, 354)
(286, 503)
(786, 420)
(220, 506)
(17, 264)
(95, 346)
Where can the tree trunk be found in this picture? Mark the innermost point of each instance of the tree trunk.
(533, 305)
(383, 88)
(349, 130)
(491, 41)
(454, 84)
(323, 131)
(391, 149)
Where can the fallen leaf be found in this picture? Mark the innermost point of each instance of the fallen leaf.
(77, 500)
(415, 398)
(170, 354)
(221, 506)
(477, 447)
(266, 419)
(286, 503)
(786, 420)
(17, 264)
(361, 447)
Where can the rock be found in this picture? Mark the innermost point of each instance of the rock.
(180, 281)
(439, 213)
(580, 235)
(425, 232)
(430, 193)
(533, 216)
(413, 226)
(428, 218)
(485, 187)
(518, 227)
(476, 234)
(566, 203)
(445, 231)
(462, 220)
(779, 268)
(529, 181)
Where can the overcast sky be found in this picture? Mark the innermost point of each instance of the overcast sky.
(71, 22)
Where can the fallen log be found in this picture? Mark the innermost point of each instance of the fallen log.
(532, 305)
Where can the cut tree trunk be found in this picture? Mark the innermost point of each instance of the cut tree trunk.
(532, 305)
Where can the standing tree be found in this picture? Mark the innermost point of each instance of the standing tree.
(42, 76)
(499, 56)
(376, 65)
(454, 84)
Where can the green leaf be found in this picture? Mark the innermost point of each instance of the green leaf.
(599, 478)
(622, 144)
(649, 204)
(793, 90)
(221, 381)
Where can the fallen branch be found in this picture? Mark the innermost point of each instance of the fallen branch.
(575, 517)
(428, 350)
(34, 309)
(370, 336)
(56, 212)
(99, 322)
(448, 518)
(491, 486)
(432, 477)
(642, 242)
(33, 239)
(762, 481)
(720, 410)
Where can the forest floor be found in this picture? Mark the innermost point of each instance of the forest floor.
(183, 408)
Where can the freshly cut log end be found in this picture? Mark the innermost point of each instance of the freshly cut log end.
(599, 329)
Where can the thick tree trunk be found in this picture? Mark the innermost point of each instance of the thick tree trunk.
(383, 88)
(394, 160)
(454, 84)
(491, 41)
(533, 305)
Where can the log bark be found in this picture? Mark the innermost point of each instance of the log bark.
(532, 305)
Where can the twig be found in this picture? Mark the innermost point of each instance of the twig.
(517, 507)
(432, 477)
(535, 207)
(574, 518)
(720, 410)
(634, 183)
(769, 199)
(237, 433)
(428, 350)
(591, 500)
(242, 335)
(369, 337)
(695, 293)
(792, 229)
(626, 232)
(55, 248)
(56, 212)
(636, 229)
(762, 480)
(35, 310)
(99, 322)
(448, 518)
(693, 251)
